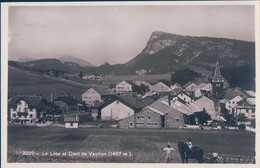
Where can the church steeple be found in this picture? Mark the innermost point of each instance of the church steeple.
(217, 81)
(217, 70)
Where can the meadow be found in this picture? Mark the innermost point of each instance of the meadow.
(47, 144)
(23, 82)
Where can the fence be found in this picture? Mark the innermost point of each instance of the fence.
(227, 158)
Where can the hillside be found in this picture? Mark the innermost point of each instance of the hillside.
(78, 61)
(31, 83)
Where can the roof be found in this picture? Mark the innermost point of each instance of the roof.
(71, 119)
(162, 105)
(177, 91)
(31, 100)
(146, 101)
(230, 93)
(250, 93)
(128, 100)
(251, 101)
(155, 110)
(162, 83)
(224, 101)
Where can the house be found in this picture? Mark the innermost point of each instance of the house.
(190, 86)
(123, 86)
(25, 109)
(139, 83)
(71, 121)
(205, 87)
(181, 94)
(230, 104)
(246, 107)
(160, 87)
(96, 95)
(175, 86)
(90, 96)
(205, 103)
(147, 118)
(157, 115)
(67, 104)
(120, 107)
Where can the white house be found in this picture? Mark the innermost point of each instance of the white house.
(123, 87)
(120, 107)
(185, 97)
(91, 96)
(160, 87)
(71, 121)
(246, 107)
(23, 109)
(232, 103)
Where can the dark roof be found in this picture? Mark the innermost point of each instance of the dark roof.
(187, 84)
(230, 93)
(69, 100)
(130, 101)
(177, 91)
(31, 100)
(103, 91)
(71, 119)
(146, 101)
(130, 82)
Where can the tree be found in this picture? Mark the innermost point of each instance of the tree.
(80, 75)
(230, 120)
(203, 117)
(142, 89)
(242, 118)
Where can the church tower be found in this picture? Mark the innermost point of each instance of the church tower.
(217, 81)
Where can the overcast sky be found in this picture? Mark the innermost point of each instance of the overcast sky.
(116, 34)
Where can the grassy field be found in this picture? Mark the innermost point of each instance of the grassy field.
(30, 83)
(140, 145)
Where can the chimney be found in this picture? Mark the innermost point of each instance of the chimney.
(169, 100)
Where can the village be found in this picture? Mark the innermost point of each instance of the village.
(139, 104)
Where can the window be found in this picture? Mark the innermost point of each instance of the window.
(184, 99)
(177, 119)
(149, 117)
(233, 102)
(14, 115)
(71, 124)
(253, 116)
(131, 124)
(30, 116)
(181, 94)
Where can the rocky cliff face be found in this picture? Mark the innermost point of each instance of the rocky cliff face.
(187, 50)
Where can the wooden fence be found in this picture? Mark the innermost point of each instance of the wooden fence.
(227, 158)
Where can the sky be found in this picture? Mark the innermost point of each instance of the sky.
(116, 34)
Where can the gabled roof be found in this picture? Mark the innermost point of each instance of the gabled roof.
(129, 82)
(146, 101)
(155, 110)
(101, 91)
(251, 101)
(230, 93)
(31, 100)
(161, 83)
(163, 107)
(71, 119)
(250, 93)
(128, 100)
(177, 91)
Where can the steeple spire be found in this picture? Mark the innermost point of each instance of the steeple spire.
(217, 70)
